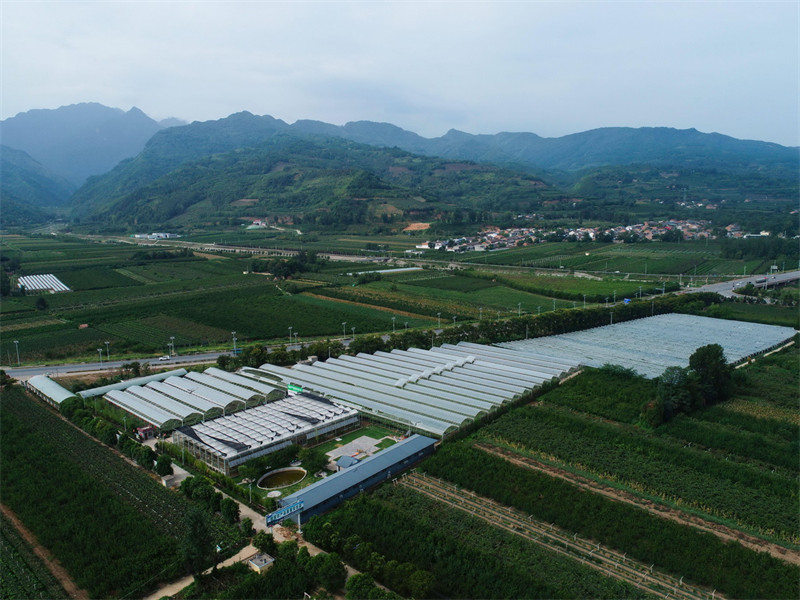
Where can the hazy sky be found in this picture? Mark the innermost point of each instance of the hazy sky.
(551, 68)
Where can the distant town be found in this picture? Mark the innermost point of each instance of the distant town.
(494, 238)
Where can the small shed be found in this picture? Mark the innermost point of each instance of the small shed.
(260, 562)
(346, 462)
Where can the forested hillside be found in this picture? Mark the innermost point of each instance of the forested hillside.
(313, 180)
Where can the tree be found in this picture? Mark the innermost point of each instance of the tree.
(330, 571)
(712, 373)
(197, 547)
(676, 391)
(164, 465)
(230, 510)
(265, 543)
(313, 459)
(41, 303)
(246, 526)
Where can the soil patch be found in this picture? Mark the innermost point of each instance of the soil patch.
(417, 227)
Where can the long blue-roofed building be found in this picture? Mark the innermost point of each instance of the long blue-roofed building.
(378, 468)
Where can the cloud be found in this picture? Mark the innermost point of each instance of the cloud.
(548, 67)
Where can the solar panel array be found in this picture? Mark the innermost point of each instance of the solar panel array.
(169, 403)
(238, 437)
(652, 344)
(435, 390)
(47, 282)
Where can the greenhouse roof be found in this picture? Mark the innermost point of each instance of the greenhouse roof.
(146, 411)
(99, 391)
(652, 344)
(264, 425)
(47, 387)
(432, 390)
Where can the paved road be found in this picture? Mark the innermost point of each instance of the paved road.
(23, 373)
(726, 287)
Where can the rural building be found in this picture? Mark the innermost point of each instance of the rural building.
(382, 466)
(260, 562)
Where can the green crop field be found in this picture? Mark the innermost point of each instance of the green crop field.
(658, 258)
(22, 573)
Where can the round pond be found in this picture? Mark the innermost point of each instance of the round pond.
(281, 478)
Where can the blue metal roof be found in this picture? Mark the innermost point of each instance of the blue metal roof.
(319, 492)
(345, 462)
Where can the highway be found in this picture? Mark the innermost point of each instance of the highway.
(726, 287)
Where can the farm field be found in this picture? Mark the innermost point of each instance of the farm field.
(400, 524)
(742, 471)
(130, 538)
(690, 259)
(138, 297)
(22, 573)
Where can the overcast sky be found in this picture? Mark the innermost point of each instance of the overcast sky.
(552, 68)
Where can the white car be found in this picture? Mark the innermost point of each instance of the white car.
(163, 358)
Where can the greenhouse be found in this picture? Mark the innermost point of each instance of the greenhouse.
(175, 398)
(42, 283)
(435, 391)
(226, 442)
(652, 344)
(48, 390)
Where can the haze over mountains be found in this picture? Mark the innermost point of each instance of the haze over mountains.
(116, 157)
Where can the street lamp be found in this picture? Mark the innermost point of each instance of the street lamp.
(439, 317)
(539, 310)
(16, 345)
(100, 353)
(344, 331)
(584, 301)
(393, 318)
(233, 333)
(406, 325)
(480, 313)
(172, 342)
(519, 309)
(295, 338)
(108, 353)
(454, 319)
(290, 335)
(353, 329)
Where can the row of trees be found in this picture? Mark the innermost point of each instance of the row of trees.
(676, 548)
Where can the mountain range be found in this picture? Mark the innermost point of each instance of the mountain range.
(125, 161)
